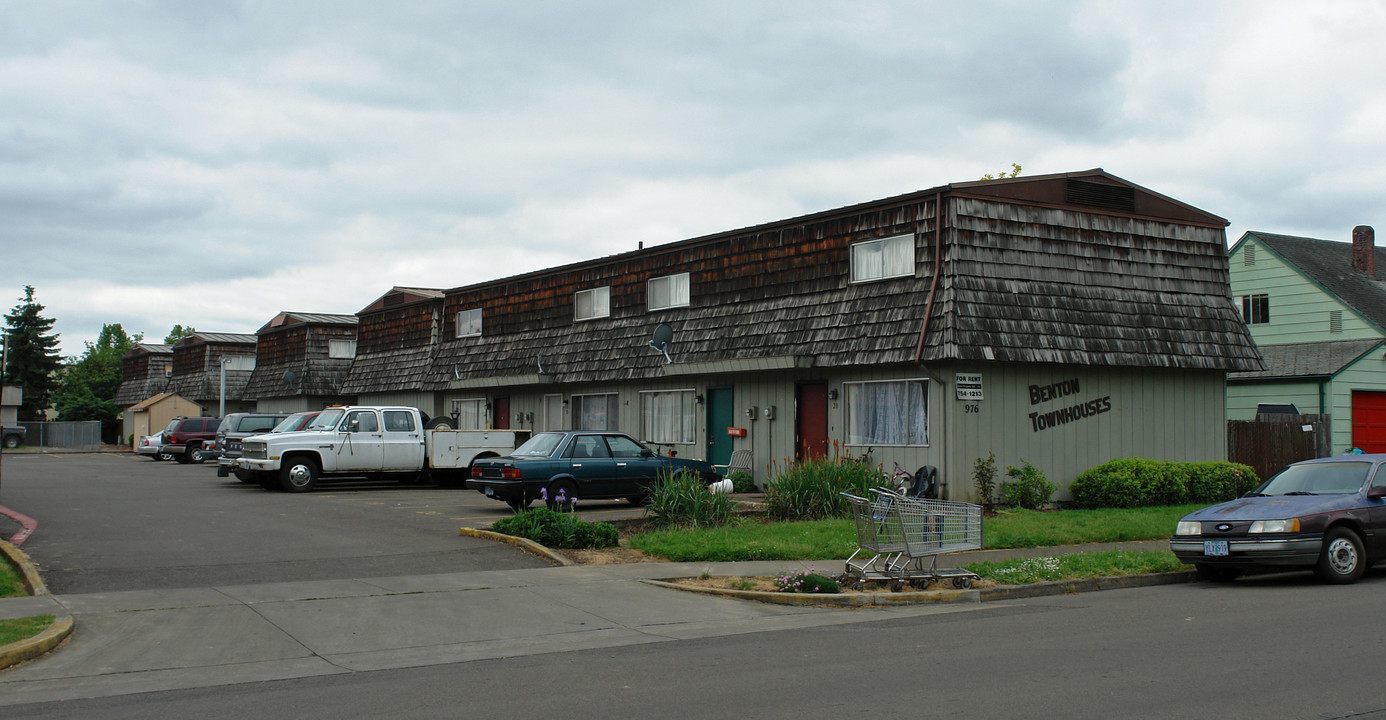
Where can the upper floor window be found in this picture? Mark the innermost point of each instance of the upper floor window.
(668, 292)
(341, 348)
(469, 322)
(1255, 308)
(594, 303)
(884, 258)
(244, 363)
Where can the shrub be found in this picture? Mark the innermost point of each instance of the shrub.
(1137, 482)
(1029, 488)
(984, 477)
(557, 530)
(809, 489)
(683, 499)
(805, 581)
(742, 482)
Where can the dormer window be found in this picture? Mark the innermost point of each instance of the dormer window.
(592, 304)
(885, 258)
(469, 323)
(669, 291)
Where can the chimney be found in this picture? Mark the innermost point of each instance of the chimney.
(1364, 250)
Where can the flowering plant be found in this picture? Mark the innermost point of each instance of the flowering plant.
(805, 581)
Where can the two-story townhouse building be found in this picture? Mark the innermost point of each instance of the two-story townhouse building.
(301, 362)
(1317, 310)
(1063, 320)
(145, 372)
(396, 337)
(212, 369)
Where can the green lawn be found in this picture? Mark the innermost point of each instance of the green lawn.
(836, 539)
(11, 583)
(22, 628)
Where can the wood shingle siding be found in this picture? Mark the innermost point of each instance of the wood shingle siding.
(197, 366)
(293, 356)
(142, 373)
(396, 338)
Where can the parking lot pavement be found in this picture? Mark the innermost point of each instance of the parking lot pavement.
(139, 641)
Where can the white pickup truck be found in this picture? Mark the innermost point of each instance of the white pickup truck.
(361, 440)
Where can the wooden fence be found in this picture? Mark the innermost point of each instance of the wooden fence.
(1271, 442)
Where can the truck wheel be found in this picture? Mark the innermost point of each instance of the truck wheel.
(11, 441)
(298, 475)
(440, 423)
(194, 454)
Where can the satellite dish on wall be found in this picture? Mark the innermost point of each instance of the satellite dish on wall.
(290, 377)
(663, 336)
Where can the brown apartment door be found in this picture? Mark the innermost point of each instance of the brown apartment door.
(810, 420)
(500, 416)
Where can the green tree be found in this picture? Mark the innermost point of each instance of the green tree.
(178, 333)
(32, 354)
(88, 385)
(1015, 170)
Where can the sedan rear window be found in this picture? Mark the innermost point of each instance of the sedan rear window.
(1338, 478)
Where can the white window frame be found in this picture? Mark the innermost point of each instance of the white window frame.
(598, 302)
(238, 363)
(679, 429)
(470, 413)
(677, 287)
(608, 405)
(339, 348)
(470, 321)
(869, 426)
(866, 256)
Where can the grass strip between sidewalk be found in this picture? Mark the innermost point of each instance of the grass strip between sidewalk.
(12, 631)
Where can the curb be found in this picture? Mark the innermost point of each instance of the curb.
(58, 631)
(846, 599)
(529, 546)
(991, 594)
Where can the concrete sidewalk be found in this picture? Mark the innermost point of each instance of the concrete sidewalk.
(142, 641)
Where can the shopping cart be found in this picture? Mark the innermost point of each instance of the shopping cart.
(901, 533)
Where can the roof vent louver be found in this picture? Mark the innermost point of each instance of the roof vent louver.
(1100, 195)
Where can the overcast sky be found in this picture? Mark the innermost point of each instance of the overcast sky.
(212, 163)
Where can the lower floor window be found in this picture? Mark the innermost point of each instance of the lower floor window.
(892, 412)
(668, 417)
(596, 412)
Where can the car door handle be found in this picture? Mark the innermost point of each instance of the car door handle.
(577, 465)
(620, 464)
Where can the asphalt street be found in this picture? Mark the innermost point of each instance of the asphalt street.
(496, 634)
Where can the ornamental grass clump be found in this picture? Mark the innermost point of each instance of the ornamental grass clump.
(811, 489)
(684, 500)
(558, 529)
(805, 581)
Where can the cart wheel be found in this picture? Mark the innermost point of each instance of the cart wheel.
(896, 586)
(962, 582)
(919, 584)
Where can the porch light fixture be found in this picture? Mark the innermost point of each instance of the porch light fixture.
(698, 399)
(832, 395)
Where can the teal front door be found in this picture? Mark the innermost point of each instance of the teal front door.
(721, 414)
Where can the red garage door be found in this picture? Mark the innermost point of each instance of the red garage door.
(1369, 420)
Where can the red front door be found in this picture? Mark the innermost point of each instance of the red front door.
(811, 421)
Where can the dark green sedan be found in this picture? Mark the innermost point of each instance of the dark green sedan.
(561, 468)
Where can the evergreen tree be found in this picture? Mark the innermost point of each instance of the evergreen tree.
(32, 354)
(88, 385)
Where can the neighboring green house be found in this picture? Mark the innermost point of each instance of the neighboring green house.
(1317, 311)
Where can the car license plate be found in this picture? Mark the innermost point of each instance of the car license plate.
(1217, 548)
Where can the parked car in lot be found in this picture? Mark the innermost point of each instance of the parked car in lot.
(153, 446)
(1327, 514)
(578, 465)
(188, 440)
(14, 435)
(236, 427)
